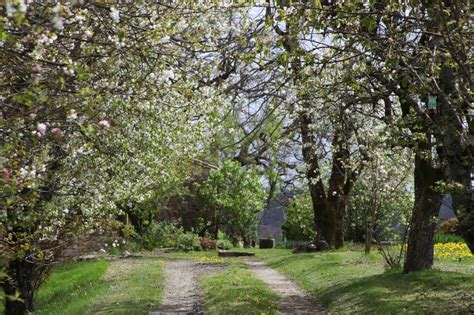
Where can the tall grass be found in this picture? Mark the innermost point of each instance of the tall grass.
(448, 238)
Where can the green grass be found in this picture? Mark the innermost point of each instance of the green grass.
(447, 238)
(71, 288)
(345, 281)
(238, 291)
(349, 281)
(136, 287)
(123, 286)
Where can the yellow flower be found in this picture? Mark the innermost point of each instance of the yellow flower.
(455, 251)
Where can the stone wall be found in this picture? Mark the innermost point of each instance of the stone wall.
(87, 244)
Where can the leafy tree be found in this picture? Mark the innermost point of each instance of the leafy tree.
(236, 195)
(416, 53)
(382, 200)
(98, 110)
(299, 219)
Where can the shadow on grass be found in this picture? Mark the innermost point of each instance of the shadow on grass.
(430, 291)
(327, 259)
(349, 282)
(127, 306)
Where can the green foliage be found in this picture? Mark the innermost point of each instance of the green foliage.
(159, 235)
(236, 195)
(447, 238)
(224, 241)
(299, 221)
(187, 241)
(224, 244)
(129, 232)
(169, 235)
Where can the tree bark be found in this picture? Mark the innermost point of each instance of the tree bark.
(324, 218)
(22, 281)
(425, 213)
(339, 216)
(337, 183)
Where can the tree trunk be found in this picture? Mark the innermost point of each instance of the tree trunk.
(424, 217)
(337, 194)
(21, 274)
(368, 230)
(324, 219)
(216, 233)
(327, 224)
(339, 214)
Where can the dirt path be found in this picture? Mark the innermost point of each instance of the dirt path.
(182, 294)
(294, 299)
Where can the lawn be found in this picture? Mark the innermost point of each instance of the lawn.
(349, 281)
(101, 287)
(71, 288)
(135, 286)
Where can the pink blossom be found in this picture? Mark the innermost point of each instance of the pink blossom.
(104, 124)
(6, 175)
(42, 128)
(36, 67)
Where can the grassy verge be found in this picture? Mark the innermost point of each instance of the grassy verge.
(349, 281)
(123, 286)
(136, 287)
(71, 288)
(237, 291)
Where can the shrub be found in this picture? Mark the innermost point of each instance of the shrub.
(160, 235)
(208, 243)
(448, 227)
(224, 244)
(187, 241)
(169, 235)
(392, 255)
(128, 232)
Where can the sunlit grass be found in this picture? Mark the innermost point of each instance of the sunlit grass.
(100, 287)
(238, 291)
(350, 281)
(71, 288)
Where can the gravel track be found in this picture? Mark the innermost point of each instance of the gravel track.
(293, 299)
(182, 294)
